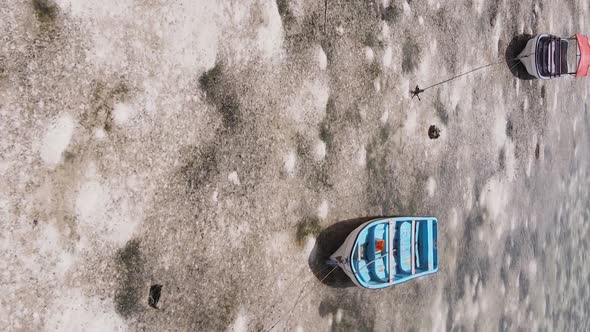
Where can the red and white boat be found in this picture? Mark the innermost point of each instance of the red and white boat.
(547, 56)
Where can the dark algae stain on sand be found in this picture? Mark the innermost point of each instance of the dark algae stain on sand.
(130, 266)
(46, 10)
(221, 94)
(307, 226)
(411, 55)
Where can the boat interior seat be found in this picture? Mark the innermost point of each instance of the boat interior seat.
(403, 252)
(377, 255)
(551, 56)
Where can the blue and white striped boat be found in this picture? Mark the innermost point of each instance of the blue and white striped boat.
(388, 251)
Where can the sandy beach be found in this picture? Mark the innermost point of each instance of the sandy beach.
(206, 145)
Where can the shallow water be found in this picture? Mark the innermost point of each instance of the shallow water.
(204, 145)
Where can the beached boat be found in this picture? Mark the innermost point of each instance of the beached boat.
(388, 251)
(546, 56)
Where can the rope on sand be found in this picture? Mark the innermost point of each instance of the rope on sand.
(417, 91)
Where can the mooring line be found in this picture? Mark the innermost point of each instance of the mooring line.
(299, 298)
(417, 91)
(274, 303)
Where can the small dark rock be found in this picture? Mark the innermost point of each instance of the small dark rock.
(433, 132)
(537, 151)
(35, 222)
(155, 293)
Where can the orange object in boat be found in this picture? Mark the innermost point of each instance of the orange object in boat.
(379, 244)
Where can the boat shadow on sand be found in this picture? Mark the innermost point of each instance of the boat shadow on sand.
(327, 242)
(517, 68)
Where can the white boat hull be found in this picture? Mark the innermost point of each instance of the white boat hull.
(528, 58)
(342, 255)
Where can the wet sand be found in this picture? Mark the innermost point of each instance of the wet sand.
(210, 147)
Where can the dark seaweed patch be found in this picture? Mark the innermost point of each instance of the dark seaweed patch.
(326, 307)
(130, 266)
(200, 167)
(373, 40)
(45, 10)
(410, 56)
(285, 11)
(303, 144)
(502, 159)
(494, 10)
(222, 95)
(523, 286)
(441, 111)
(391, 14)
(102, 102)
(321, 175)
(509, 129)
(69, 157)
(326, 130)
(307, 226)
(325, 133)
(375, 70)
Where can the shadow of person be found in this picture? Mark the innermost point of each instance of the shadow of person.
(514, 48)
(329, 240)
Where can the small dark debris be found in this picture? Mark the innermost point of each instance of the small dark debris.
(155, 293)
(433, 132)
(538, 151)
(509, 129)
(35, 222)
